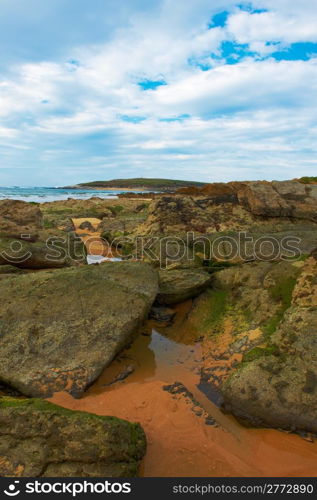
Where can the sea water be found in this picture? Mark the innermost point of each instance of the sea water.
(45, 194)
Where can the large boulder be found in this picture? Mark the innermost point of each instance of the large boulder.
(233, 206)
(114, 228)
(24, 243)
(53, 249)
(262, 199)
(61, 328)
(239, 311)
(39, 439)
(18, 218)
(280, 199)
(181, 284)
(178, 215)
(276, 385)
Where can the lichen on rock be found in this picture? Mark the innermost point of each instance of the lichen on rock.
(40, 439)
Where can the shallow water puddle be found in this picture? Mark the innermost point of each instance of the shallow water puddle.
(99, 259)
(180, 443)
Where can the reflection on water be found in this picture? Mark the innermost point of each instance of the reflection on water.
(172, 357)
(98, 259)
(154, 357)
(158, 354)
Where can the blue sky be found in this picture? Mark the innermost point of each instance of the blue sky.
(213, 90)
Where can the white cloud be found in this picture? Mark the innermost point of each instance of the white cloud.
(256, 118)
(256, 29)
(7, 132)
(248, 85)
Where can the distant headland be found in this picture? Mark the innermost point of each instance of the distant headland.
(141, 183)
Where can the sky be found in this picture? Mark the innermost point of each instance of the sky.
(208, 90)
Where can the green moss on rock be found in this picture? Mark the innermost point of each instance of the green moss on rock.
(259, 352)
(218, 303)
(281, 292)
(39, 438)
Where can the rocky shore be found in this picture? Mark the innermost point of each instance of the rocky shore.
(63, 322)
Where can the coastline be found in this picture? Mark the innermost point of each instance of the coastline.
(88, 188)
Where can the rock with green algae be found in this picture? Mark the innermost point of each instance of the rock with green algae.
(8, 269)
(24, 243)
(279, 388)
(61, 328)
(51, 249)
(239, 313)
(181, 284)
(40, 439)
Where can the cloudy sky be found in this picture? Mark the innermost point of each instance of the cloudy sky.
(212, 90)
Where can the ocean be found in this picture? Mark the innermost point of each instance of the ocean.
(44, 194)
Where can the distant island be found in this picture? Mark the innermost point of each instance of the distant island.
(138, 183)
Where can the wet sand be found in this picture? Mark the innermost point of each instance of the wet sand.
(94, 244)
(180, 443)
